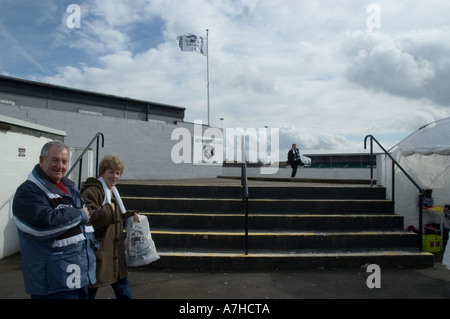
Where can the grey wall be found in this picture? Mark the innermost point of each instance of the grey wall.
(144, 147)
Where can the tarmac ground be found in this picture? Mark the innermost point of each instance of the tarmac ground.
(342, 283)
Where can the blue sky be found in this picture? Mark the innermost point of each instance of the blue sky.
(326, 73)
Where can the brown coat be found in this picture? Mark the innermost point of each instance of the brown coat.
(108, 225)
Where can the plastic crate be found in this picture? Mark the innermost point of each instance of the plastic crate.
(432, 242)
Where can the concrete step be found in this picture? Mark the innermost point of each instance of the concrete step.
(256, 191)
(254, 260)
(211, 221)
(231, 205)
(282, 240)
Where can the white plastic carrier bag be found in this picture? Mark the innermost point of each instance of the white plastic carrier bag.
(140, 248)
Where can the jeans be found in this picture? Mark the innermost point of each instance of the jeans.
(121, 289)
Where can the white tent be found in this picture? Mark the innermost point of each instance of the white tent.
(425, 157)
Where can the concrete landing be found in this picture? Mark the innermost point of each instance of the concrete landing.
(253, 181)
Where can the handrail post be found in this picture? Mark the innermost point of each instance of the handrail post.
(79, 171)
(393, 182)
(245, 194)
(245, 202)
(371, 161)
(420, 219)
(371, 157)
(96, 154)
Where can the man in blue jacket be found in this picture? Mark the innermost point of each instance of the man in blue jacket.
(56, 238)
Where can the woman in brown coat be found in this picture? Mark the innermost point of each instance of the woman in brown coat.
(107, 215)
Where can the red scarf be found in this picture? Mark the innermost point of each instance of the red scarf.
(62, 187)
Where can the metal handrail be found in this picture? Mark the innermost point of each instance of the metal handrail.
(245, 193)
(395, 163)
(80, 158)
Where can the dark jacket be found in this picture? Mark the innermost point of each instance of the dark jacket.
(294, 159)
(56, 246)
(108, 225)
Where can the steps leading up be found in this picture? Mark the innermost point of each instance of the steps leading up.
(299, 225)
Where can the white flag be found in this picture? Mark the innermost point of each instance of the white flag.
(192, 43)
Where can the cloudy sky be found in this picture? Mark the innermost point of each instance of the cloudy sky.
(326, 73)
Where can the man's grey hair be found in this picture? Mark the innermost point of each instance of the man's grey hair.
(59, 145)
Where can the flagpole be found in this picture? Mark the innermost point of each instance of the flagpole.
(207, 71)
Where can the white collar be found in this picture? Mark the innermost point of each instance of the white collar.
(114, 190)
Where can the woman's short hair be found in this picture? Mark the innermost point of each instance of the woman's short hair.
(110, 162)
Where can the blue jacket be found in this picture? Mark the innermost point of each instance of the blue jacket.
(57, 246)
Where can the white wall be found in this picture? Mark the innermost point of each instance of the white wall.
(14, 170)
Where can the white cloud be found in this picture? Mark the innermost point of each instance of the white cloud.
(413, 65)
(310, 68)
